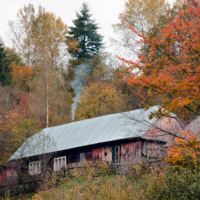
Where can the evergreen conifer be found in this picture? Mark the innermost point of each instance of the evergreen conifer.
(5, 75)
(85, 32)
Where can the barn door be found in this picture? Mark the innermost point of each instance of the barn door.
(82, 157)
(116, 154)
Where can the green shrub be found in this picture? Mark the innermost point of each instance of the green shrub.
(181, 185)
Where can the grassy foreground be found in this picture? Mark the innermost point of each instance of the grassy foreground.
(140, 183)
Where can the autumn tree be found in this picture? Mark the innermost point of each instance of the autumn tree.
(35, 35)
(6, 129)
(174, 75)
(51, 32)
(16, 123)
(108, 71)
(20, 34)
(21, 80)
(99, 99)
(39, 37)
(8, 120)
(129, 93)
(140, 15)
(185, 154)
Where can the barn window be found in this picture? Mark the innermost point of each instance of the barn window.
(105, 154)
(59, 163)
(127, 150)
(35, 167)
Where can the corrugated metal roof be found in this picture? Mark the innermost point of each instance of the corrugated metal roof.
(87, 132)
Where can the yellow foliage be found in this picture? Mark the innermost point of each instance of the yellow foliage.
(73, 46)
(140, 15)
(99, 99)
(84, 184)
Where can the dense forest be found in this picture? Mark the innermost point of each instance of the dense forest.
(54, 74)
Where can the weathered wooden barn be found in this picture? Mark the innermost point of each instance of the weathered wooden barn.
(120, 137)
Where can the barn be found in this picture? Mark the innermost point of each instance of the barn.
(120, 137)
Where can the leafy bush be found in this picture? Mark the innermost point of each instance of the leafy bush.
(171, 184)
(94, 181)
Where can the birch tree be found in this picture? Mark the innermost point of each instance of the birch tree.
(140, 15)
(20, 34)
(42, 47)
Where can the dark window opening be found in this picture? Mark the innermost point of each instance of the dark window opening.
(127, 150)
(105, 154)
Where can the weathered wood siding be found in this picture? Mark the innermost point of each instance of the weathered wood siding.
(97, 154)
(131, 152)
(171, 127)
(8, 173)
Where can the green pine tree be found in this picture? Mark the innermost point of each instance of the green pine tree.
(7, 56)
(85, 32)
(5, 75)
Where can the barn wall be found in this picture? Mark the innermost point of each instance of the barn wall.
(8, 173)
(131, 152)
(74, 158)
(107, 153)
(133, 155)
(97, 154)
(102, 153)
(153, 149)
(169, 125)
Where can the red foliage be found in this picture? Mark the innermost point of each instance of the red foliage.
(24, 107)
(171, 70)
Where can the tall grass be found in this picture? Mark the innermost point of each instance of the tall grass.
(97, 182)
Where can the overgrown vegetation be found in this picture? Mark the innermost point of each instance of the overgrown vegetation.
(176, 177)
(141, 182)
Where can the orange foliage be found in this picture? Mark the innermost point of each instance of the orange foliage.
(21, 76)
(21, 72)
(15, 124)
(8, 123)
(171, 70)
(186, 151)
